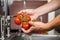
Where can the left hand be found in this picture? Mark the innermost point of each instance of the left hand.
(30, 12)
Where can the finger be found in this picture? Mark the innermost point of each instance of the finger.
(33, 18)
(32, 23)
(21, 11)
(29, 10)
(28, 31)
(25, 10)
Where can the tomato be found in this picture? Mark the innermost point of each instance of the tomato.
(17, 21)
(20, 16)
(25, 25)
(40, 32)
(27, 18)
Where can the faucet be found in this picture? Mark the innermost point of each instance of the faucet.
(24, 4)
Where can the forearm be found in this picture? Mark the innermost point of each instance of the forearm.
(51, 6)
(55, 23)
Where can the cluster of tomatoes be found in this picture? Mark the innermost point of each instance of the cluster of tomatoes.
(23, 20)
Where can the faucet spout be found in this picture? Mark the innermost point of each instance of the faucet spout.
(24, 4)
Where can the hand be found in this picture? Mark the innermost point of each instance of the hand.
(30, 12)
(37, 26)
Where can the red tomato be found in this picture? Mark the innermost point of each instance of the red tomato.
(17, 21)
(40, 32)
(20, 15)
(27, 18)
(25, 25)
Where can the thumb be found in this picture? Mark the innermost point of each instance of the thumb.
(31, 23)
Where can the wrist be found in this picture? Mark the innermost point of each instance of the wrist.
(50, 26)
(36, 14)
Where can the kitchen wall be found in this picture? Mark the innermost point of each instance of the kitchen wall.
(11, 1)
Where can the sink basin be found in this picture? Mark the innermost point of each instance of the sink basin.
(38, 37)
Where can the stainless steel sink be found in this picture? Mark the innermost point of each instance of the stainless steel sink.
(37, 37)
(45, 37)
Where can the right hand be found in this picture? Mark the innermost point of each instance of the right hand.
(37, 26)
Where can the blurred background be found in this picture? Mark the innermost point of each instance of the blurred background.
(11, 7)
